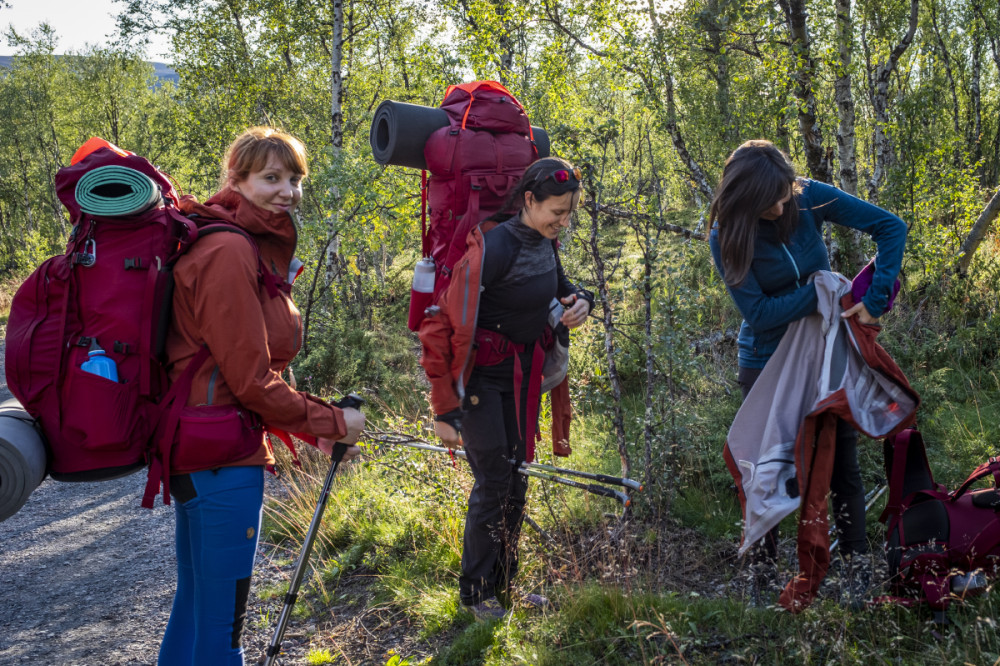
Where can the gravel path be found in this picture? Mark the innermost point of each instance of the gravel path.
(87, 578)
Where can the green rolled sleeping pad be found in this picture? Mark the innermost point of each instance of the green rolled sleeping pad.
(116, 191)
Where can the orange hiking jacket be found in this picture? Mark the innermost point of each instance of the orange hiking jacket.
(219, 302)
(447, 338)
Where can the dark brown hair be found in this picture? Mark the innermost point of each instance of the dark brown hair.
(756, 176)
(538, 180)
(250, 151)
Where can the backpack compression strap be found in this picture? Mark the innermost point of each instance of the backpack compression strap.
(159, 467)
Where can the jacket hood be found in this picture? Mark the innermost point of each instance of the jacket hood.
(275, 229)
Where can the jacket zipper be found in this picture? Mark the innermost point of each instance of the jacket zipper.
(798, 275)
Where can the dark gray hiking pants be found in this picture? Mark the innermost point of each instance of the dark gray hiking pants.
(496, 504)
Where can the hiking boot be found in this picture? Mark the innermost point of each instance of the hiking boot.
(856, 580)
(762, 584)
(536, 601)
(487, 610)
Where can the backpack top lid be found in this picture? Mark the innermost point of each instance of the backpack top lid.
(485, 105)
(95, 153)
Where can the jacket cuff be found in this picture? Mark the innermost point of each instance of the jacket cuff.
(452, 418)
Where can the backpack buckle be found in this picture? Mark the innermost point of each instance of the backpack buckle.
(133, 262)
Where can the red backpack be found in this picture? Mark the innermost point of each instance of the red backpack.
(939, 545)
(111, 290)
(474, 163)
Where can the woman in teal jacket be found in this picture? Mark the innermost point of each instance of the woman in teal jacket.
(766, 240)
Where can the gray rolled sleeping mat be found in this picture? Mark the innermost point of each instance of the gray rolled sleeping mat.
(22, 458)
(400, 130)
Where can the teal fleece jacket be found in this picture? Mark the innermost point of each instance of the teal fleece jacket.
(776, 290)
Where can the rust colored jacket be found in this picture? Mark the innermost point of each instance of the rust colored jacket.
(447, 339)
(219, 302)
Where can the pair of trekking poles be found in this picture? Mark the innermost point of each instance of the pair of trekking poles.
(536, 470)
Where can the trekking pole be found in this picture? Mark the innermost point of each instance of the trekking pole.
(593, 476)
(603, 478)
(870, 499)
(339, 449)
(589, 487)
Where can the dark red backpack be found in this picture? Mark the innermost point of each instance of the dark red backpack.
(939, 545)
(474, 163)
(112, 288)
(109, 288)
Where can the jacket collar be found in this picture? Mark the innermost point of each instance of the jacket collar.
(276, 230)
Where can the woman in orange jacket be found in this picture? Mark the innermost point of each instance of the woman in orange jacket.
(482, 353)
(234, 331)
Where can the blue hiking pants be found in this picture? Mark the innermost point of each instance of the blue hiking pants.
(218, 520)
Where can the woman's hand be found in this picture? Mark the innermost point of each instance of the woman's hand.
(448, 435)
(863, 316)
(326, 446)
(355, 422)
(576, 311)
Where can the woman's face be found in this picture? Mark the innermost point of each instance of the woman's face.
(551, 216)
(275, 188)
(775, 211)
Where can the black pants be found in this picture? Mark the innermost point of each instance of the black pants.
(846, 489)
(496, 504)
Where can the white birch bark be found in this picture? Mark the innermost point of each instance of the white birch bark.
(336, 134)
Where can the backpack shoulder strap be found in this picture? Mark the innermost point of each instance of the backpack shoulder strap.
(896, 450)
(271, 282)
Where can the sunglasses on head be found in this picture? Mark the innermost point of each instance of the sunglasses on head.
(563, 175)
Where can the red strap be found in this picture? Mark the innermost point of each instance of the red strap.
(471, 217)
(990, 466)
(472, 98)
(159, 468)
(286, 438)
(146, 328)
(534, 396)
(900, 447)
(62, 330)
(425, 241)
(518, 377)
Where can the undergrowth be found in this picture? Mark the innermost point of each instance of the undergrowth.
(664, 586)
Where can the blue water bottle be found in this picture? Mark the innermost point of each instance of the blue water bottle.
(99, 364)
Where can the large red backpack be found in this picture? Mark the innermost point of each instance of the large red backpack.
(939, 545)
(109, 290)
(474, 163)
(112, 290)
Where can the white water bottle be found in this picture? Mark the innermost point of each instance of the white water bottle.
(421, 292)
(423, 276)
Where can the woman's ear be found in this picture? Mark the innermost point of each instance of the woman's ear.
(232, 182)
(529, 199)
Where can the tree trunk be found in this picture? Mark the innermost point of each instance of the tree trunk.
(847, 152)
(878, 85)
(817, 159)
(697, 174)
(336, 134)
(976, 234)
(717, 47)
(975, 92)
(946, 59)
(506, 39)
(607, 319)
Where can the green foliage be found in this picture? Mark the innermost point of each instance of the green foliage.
(640, 94)
(320, 657)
